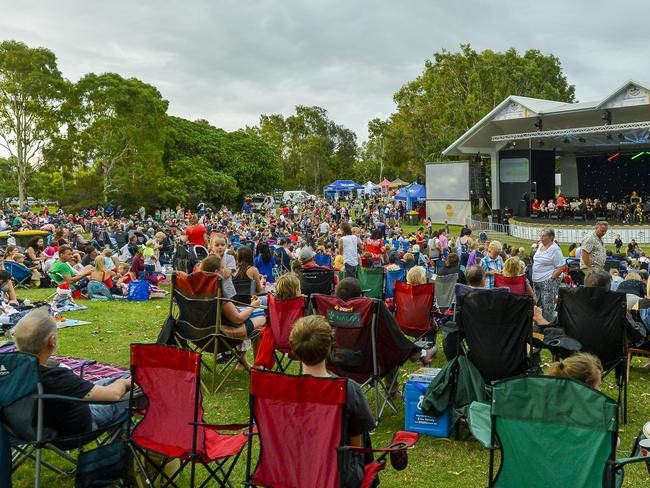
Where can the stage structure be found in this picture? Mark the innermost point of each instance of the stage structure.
(594, 150)
(447, 188)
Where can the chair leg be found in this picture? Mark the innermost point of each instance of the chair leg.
(628, 365)
(37, 471)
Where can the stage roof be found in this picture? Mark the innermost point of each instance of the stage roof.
(565, 126)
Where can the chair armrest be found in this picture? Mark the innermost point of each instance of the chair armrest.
(401, 440)
(480, 422)
(63, 398)
(619, 463)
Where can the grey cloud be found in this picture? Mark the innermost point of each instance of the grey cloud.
(230, 61)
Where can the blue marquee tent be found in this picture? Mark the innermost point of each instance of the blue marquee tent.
(341, 186)
(412, 193)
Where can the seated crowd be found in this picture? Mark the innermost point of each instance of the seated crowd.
(243, 250)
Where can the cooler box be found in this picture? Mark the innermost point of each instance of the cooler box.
(414, 419)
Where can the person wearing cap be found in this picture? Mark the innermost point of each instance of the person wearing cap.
(306, 259)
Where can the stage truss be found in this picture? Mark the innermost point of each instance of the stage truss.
(578, 131)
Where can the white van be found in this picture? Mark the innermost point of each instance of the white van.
(297, 196)
(261, 203)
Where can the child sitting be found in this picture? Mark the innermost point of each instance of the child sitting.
(288, 287)
(311, 342)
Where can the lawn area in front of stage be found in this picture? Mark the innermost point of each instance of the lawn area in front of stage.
(433, 462)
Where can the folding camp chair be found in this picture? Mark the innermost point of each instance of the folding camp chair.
(22, 413)
(372, 282)
(21, 274)
(413, 309)
(172, 422)
(369, 345)
(551, 432)
(596, 318)
(245, 290)
(497, 330)
(635, 351)
(391, 278)
(316, 280)
(282, 315)
(301, 425)
(445, 289)
(195, 307)
(516, 285)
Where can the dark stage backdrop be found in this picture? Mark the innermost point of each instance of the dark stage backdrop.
(613, 180)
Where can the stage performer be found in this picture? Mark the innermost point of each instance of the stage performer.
(593, 253)
(548, 264)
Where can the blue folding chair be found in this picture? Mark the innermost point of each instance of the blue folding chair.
(391, 278)
(323, 260)
(19, 273)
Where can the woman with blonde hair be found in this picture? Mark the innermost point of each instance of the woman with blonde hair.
(514, 267)
(105, 276)
(581, 366)
(492, 264)
(417, 275)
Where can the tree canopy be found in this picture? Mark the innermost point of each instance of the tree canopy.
(109, 138)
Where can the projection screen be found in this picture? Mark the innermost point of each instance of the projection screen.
(448, 192)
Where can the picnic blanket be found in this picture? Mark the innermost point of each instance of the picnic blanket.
(69, 307)
(70, 323)
(88, 369)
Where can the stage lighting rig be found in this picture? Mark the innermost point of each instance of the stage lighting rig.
(539, 124)
(621, 137)
(566, 140)
(613, 156)
(609, 137)
(582, 139)
(607, 117)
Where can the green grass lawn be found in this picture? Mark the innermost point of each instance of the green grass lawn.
(433, 462)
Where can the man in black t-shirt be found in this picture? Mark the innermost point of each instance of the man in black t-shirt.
(311, 342)
(36, 333)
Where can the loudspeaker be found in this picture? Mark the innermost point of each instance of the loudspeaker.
(477, 179)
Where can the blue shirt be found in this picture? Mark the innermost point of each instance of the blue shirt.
(489, 264)
(265, 268)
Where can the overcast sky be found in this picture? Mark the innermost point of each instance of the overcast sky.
(230, 61)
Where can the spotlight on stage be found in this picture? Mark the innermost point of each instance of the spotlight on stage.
(566, 140)
(614, 156)
(582, 139)
(539, 124)
(637, 155)
(540, 142)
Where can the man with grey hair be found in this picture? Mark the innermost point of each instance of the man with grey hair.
(593, 253)
(36, 334)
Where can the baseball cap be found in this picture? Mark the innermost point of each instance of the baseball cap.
(306, 254)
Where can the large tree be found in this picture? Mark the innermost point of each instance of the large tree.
(117, 129)
(312, 147)
(233, 163)
(455, 90)
(32, 91)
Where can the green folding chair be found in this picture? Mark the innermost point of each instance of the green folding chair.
(372, 282)
(552, 432)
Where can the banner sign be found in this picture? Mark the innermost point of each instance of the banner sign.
(568, 234)
(453, 211)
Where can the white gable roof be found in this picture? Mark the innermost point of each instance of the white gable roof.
(517, 107)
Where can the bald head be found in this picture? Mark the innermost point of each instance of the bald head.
(33, 331)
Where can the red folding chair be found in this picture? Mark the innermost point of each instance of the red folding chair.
(301, 422)
(172, 422)
(414, 308)
(368, 345)
(516, 285)
(275, 349)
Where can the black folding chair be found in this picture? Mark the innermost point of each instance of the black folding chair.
(316, 280)
(195, 307)
(496, 331)
(22, 415)
(596, 318)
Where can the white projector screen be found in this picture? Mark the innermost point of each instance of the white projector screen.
(448, 181)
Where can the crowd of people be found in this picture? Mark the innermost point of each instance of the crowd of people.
(632, 211)
(271, 248)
